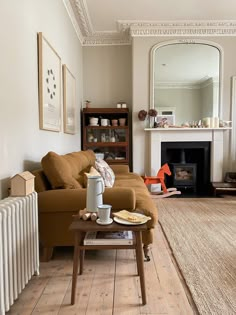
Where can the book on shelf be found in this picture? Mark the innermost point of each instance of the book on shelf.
(109, 238)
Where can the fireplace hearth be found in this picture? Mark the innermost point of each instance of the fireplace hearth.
(190, 166)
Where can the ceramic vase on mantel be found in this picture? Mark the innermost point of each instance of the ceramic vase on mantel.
(151, 121)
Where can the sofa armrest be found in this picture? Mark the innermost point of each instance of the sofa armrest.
(120, 169)
(120, 198)
(63, 200)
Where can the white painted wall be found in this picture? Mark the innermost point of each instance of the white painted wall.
(108, 75)
(22, 144)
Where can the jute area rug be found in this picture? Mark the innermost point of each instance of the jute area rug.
(202, 236)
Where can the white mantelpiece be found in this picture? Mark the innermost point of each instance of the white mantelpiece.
(215, 136)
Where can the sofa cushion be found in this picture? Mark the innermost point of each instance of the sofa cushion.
(58, 171)
(80, 162)
(41, 181)
(106, 172)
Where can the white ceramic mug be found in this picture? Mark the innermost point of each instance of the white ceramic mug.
(104, 122)
(93, 121)
(104, 212)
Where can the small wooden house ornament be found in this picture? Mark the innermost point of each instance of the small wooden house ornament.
(22, 184)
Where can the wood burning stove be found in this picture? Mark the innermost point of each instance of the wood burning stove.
(184, 174)
(189, 163)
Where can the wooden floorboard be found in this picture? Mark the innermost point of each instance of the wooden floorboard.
(109, 285)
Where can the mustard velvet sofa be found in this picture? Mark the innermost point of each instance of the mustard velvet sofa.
(60, 185)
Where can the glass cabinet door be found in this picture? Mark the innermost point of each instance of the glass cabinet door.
(108, 143)
(106, 135)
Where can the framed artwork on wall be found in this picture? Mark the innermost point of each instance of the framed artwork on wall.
(69, 115)
(49, 86)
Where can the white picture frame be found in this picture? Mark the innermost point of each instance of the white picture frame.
(49, 86)
(165, 110)
(166, 119)
(69, 99)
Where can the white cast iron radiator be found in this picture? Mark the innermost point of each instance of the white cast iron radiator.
(19, 246)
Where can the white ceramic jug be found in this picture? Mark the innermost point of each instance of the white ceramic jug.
(95, 189)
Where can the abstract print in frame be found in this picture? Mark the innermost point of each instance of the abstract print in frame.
(49, 86)
(68, 101)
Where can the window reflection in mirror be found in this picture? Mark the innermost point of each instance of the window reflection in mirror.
(185, 80)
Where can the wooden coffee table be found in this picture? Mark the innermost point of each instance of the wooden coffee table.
(80, 227)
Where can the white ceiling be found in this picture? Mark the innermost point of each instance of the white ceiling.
(104, 14)
(101, 21)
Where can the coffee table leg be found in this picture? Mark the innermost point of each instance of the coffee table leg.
(139, 257)
(81, 263)
(75, 266)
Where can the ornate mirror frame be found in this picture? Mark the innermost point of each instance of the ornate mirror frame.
(186, 41)
(233, 119)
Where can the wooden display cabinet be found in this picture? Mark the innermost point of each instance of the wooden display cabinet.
(109, 141)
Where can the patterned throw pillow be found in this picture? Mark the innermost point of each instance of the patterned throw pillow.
(106, 172)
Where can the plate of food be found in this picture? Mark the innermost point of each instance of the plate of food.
(130, 218)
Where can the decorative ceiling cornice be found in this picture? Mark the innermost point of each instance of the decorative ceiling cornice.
(82, 17)
(187, 84)
(179, 28)
(74, 21)
(106, 39)
(126, 29)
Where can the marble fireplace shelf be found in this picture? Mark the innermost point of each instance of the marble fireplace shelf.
(213, 135)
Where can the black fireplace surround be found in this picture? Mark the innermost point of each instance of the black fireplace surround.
(185, 155)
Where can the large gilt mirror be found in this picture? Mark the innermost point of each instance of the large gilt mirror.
(186, 80)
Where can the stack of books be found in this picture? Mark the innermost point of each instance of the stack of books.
(109, 238)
